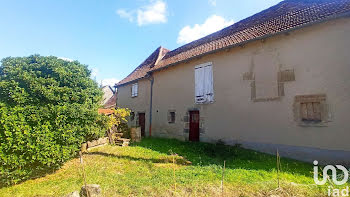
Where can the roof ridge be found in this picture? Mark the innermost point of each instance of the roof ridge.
(146, 65)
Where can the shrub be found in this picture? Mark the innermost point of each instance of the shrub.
(118, 122)
(119, 118)
(48, 107)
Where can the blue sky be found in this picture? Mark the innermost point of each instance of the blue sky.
(112, 37)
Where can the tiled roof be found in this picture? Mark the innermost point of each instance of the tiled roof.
(105, 111)
(284, 16)
(287, 15)
(142, 69)
(111, 102)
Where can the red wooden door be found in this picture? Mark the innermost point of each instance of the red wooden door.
(194, 126)
(142, 123)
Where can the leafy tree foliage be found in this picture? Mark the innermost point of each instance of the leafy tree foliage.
(119, 117)
(48, 107)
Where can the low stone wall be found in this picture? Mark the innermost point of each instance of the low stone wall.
(94, 143)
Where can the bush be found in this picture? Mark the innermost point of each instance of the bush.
(48, 107)
(119, 118)
(118, 122)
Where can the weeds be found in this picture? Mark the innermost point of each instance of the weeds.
(147, 169)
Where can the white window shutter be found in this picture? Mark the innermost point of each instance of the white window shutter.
(204, 90)
(137, 89)
(134, 89)
(209, 90)
(199, 85)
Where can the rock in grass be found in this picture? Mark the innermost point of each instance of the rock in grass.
(73, 194)
(94, 190)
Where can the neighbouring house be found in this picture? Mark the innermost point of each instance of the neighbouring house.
(276, 80)
(109, 98)
(111, 102)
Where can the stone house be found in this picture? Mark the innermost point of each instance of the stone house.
(276, 80)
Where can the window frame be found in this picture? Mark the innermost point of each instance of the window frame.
(283, 76)
(134, 90)
(313, 112)
(323, 110)
(171, 118)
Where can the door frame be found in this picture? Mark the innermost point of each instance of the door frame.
(143, 131)
(194, 133)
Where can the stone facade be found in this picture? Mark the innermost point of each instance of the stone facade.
(259, 91)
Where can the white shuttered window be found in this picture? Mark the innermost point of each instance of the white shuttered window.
(134, 90)
(204, 91)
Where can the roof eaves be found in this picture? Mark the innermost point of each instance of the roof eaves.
(130, 82)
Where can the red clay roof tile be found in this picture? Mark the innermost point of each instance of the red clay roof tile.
(286, 15)
(142, 69)
(105, 111)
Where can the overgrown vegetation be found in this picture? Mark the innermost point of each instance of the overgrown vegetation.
(119, 117)
(48, 107)
(118, 122)
(146, 169)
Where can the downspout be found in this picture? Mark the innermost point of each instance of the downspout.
(151, 78)
(116, 95)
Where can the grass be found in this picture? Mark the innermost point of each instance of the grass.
(146, 169)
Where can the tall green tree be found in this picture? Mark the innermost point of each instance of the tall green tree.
(48, 107)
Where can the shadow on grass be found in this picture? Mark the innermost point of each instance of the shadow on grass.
(205, 154)
(5, 181)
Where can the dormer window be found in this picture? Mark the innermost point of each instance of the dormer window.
(134, 90)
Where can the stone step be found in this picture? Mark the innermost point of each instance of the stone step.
(122, 140)
(119, 135)
(122, 143)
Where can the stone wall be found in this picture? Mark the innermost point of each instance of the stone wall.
(94, 143)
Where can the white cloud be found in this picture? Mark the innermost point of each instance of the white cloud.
(110, 81)
(153, 13)
(94, 72)
(212, 2)
(66, 59)
(125, 14)
(211, 25)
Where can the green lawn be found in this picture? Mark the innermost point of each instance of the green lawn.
(147, 169)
